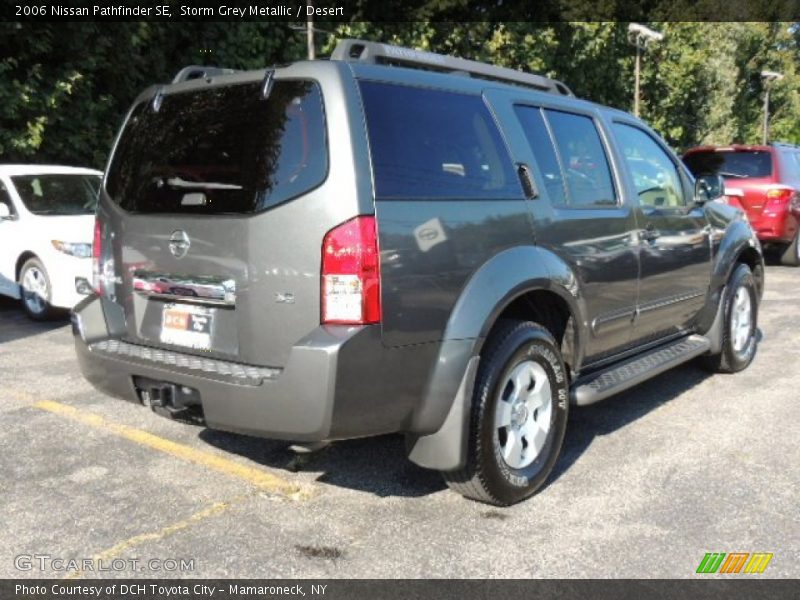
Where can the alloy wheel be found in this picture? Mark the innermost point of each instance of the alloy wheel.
(35, 290)
(523, 414)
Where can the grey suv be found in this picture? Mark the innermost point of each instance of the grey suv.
(399, 241)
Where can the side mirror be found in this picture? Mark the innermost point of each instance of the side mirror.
(708, 188)
(5, 212)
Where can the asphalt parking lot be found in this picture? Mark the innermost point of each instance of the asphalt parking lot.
(648, 483)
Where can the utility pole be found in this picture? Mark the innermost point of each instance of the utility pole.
(637, 77)
(312, 54)
(640, 36)
(768, 77)
(309, 31)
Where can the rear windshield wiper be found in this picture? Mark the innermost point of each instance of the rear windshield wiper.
(736, 175)
(178, 183)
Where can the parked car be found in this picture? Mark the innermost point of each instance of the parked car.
(46, 226)
(386, 247)
(763, 181)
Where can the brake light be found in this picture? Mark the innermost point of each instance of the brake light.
(351, 285)
(777, 197)
(97, 252)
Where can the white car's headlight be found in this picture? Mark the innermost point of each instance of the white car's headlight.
(73, 249)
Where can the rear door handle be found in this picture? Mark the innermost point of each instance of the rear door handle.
(649, 233)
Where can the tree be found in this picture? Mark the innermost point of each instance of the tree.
(65, 88)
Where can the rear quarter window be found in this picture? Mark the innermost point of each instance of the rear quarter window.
(435, 144)
(735, 164)
(221, 150)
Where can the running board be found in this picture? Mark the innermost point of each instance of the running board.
(621, 376)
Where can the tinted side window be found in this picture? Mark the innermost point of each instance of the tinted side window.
(654, 174)
(584, 160)
(58, 193)
(434, 144)
(538, 137)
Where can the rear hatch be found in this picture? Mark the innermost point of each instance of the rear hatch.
(213, 215)
(748, 174)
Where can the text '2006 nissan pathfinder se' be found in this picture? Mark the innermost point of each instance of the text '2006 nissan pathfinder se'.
(400, 241)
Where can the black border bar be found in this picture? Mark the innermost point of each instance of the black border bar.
(344, 11)
(709, 587)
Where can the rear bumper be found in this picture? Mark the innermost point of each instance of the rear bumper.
(780, 227)
(296, 402)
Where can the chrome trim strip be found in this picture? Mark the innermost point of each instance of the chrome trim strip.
(670, 300)
(623, 314)
(215, 291)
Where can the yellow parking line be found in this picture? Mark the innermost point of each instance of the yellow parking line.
(256, 477)
(106, 556)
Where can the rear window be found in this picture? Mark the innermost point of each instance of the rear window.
(221, 150)
(58, 194)
(434, 144)
(737, 164)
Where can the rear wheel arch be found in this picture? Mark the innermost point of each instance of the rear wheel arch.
(520, 287)
(548, 308)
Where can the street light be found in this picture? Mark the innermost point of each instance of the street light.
(640, 36)
(768, 77)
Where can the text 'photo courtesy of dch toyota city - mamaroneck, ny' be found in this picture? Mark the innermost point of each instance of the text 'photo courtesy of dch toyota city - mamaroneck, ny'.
(399, 300)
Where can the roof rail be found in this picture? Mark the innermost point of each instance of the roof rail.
(386, 54)
(199, 72)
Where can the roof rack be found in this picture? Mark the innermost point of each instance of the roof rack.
(199, 72)
(386, 54)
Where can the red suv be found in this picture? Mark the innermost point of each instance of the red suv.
(764, 181)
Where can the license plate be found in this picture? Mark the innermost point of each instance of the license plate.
(186, 325)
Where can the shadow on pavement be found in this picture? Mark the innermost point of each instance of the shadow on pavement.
(15, 325)
(588, 422)
(376, 465)
(379, 465)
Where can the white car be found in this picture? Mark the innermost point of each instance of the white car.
(46, 230)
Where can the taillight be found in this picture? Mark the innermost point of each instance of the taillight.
(777, 198)
(351, 281)
(97, 252)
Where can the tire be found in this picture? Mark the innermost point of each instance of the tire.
(791, 254)
(739, 340)
(36, 291)
(502, 465)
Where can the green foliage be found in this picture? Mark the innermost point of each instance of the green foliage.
(700, 85)
(64, 88)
